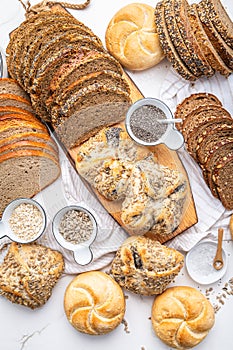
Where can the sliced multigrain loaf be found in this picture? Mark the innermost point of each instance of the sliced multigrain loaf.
(11, 100)
(224, 51)
(211, 141)
(58, 46)
(199, 62)
(192, 102)
(11, 86)
(84, 123)
(197, 135)
(201, 115)
(220, 19)
(167, 45)
(223, 179)
(205, 44)
(93, 95)
(28, 172)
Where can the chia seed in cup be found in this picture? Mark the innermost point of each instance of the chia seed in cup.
(145, 125)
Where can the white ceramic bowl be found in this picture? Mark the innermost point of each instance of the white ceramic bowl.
(5, 230)
(82, 251)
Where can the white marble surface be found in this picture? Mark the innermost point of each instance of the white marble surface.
(47, 327)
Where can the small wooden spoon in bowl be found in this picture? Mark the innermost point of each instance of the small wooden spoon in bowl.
(218, 260)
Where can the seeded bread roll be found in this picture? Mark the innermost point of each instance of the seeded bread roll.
(144, 266)
(132, 38)
(29, 273)
(182, 317)
(94, 303)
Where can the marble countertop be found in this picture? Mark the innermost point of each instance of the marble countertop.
(47, 327)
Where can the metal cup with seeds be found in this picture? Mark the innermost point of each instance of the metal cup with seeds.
(75, 228)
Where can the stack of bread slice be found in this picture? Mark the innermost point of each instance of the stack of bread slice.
(73, 82)
(208, 132)
(28, 155)
(197, 39)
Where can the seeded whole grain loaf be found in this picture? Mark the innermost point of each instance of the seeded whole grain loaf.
(205, 44)
(220, 19)
(181, 8)
(144, 266)
(167, 44)
(224, 51)
(192, 102)
(29, 273)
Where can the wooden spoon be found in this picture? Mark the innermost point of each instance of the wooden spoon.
(218, 260)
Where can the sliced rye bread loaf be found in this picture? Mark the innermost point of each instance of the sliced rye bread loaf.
(201, 115)
(28, 172)
(224, 51)
(197, 135)
(96, 94)
(11, 110)
(202, 67)
(205, 44)
(207, 146)
(215, 158)
(58, 46)
(179, 43)
(29, 145)
(192, 102)
(222, 177)
(167, 45)
(19, 116)
(15, 123)
(11, 100)
(8, 85)
(220, 20)
(84, 123)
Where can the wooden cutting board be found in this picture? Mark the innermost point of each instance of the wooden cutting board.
(165, 157)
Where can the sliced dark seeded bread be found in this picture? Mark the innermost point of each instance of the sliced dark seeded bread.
(96, 94)
(11, 86)
(224, 51)
(192, 102)
(181, 8)
(201, 115)
(220, 19)
(199, 133)
(223, 179)
(207, 146)
(205, 44)
(167, 45)
(84, 123)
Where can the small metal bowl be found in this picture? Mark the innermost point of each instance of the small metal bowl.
(172, 138)
(82, 251)
(5, 229)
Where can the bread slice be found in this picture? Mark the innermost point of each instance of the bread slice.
(84, 123)
(220, 19)
(11, 86)
(14, 122)
(224, 51)
(93, 95)
(223, 179)
(11, 100)
(29, 272)
(191, 103)
(167, 45)
(205, 44)
(19, 116)
(198, 59)
(199, 133)
(14, 110)
(201, 115)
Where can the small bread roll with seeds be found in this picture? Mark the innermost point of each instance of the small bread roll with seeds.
(144, 266)
(131, 37)
(182, 317)
(94, 303)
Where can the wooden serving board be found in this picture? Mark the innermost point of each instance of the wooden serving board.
(165, 157)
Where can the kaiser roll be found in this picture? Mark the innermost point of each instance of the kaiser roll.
(131, 37)
(94, 303)
(182, 317)
(144, 266)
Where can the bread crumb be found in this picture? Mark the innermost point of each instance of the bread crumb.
(125, 323)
